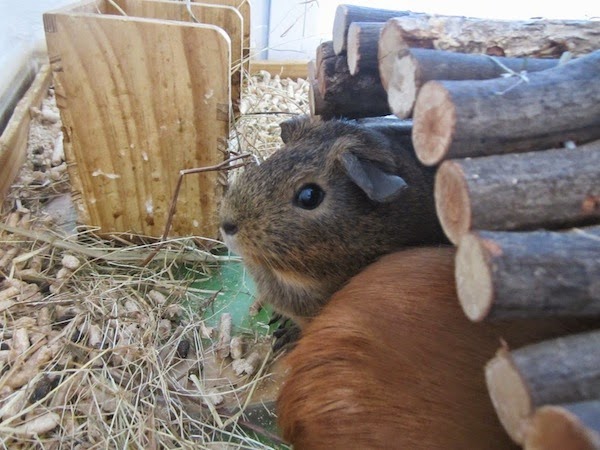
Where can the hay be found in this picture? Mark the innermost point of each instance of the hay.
(267, 101)
(100, 351)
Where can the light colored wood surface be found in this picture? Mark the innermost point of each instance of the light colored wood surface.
(226, 17)
(141, 99)
(572, 426)
(233, 16)
(13, 142)
(284, 68)
(550, 372)
(245, 9)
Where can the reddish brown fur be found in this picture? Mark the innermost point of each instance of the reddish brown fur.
(392, 362)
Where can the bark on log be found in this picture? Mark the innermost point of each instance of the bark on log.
(363, 39)
(456, 119)
(575, 426)
(346, 14)
(533, 38)
(414, 67)
(324, 51)
(507, 275)
(556, 188)
(562, 370)
(317, 106)
(345, 95)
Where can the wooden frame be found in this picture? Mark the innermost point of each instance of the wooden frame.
(13, 142)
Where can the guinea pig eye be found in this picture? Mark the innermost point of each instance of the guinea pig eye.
(309, 196)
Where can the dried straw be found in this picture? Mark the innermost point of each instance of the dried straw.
(98, 350)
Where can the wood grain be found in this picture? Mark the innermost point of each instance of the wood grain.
(226, 17)
(245, 9)
(141, 99)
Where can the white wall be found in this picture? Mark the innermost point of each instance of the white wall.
(293, 29)
(260, 28)
(22, 46)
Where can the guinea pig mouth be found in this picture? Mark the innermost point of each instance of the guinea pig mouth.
(231, 243)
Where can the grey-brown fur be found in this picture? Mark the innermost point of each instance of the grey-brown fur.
(298, 257)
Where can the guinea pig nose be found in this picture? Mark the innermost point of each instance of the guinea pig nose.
(229, 228)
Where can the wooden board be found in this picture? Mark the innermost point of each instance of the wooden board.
(141, 99)
(284, 68)
(242, 6)
(226, 17)
(14, 139)
(245, 9)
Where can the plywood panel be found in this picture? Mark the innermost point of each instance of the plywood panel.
(141, 99)
(226, 17)
(245, 9)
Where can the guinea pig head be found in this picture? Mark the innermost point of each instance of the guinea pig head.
(316, 208)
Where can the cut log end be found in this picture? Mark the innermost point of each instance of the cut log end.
(339, 29)
(353, 54)
(509, 395)
(452, 200)
(402, 87)
(316, 103)
(390, 44)
(362, 47)
(434, 123)
(555, 428)
(474, 283)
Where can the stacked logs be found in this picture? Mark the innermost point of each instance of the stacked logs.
(509, 111)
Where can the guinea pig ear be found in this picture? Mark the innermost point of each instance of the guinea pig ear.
(293, 129)
(379, 186)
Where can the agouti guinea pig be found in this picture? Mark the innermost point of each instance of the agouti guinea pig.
(335, 198)
(393, 363)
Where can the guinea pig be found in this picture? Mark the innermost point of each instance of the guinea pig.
(334, 199)
(393, 363)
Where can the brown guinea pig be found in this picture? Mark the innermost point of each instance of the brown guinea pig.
(393, 363)
(337, 197)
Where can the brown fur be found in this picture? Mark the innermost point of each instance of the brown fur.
(392, 363)
(299, 258)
